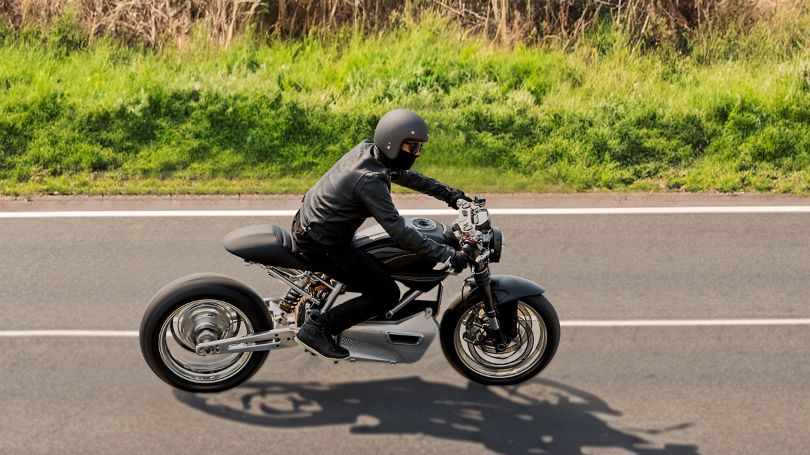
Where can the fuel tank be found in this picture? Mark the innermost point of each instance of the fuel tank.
(411, 269)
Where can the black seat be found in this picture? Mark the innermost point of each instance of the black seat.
(266, 244)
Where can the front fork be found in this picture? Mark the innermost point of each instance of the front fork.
(481, 276)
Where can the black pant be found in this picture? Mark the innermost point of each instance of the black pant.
(358, 271)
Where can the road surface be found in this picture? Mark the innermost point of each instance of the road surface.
(640, 389)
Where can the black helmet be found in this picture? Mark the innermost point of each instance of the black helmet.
(396, 127)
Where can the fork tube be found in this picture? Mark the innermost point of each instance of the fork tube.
(481, 274)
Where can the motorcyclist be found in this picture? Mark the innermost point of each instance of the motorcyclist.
(356, 187)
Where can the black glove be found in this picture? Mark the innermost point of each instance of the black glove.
(454, 196)
(460, 261)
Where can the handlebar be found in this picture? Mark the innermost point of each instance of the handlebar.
(466, 230)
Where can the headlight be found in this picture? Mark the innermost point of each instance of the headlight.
(495, 245)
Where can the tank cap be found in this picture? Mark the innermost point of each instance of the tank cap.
(423, 224)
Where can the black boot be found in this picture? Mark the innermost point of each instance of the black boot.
(314, 336)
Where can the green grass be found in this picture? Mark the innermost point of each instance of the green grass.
(100, 118)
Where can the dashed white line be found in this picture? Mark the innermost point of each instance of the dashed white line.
(572, 323)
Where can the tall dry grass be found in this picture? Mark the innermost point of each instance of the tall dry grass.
(161, 22)
(154, 22)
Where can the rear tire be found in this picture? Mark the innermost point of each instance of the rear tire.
(538, 324)
(167, 334)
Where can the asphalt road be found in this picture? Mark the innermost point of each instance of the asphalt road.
(609, 390)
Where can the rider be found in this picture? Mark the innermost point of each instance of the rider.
(356, 187)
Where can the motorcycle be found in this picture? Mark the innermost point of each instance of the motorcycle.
(209, 333)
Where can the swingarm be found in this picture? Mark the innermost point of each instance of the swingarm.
(263, 341)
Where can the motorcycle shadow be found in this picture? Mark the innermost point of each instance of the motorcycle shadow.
(541, 416)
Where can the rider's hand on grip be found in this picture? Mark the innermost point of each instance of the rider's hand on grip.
(454, 196)
(460, 261)
(469, 247)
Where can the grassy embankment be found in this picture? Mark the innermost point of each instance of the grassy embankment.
(731, 114)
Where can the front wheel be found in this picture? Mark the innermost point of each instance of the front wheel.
(470, 349)
(198, 309)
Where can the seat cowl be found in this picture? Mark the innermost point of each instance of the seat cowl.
(267, 244)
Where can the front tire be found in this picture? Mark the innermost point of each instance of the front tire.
(202, 307)
(526, 356)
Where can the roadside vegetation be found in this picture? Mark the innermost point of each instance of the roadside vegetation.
(518, 99)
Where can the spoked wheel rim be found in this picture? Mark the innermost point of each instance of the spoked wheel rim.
(521, 354)
(201, 321)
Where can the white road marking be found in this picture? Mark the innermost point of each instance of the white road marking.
(148, 214)
(68, 333)
(685, 323)
(573, 323)
(415, 212)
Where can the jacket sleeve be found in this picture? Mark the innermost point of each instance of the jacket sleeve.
(375, 194)
(425, 185)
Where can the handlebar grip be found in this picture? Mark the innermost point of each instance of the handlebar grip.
(469, 248)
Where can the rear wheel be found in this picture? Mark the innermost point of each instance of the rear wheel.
(176, 321)
(470, 347)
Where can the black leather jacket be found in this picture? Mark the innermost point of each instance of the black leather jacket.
(359, 186)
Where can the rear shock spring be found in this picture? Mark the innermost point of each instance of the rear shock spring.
(289, 301)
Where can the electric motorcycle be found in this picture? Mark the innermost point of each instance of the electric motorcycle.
(209, 333)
